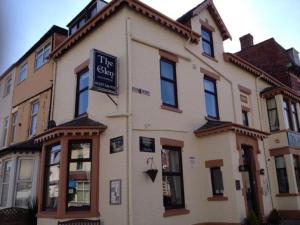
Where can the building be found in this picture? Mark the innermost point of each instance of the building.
(26, 115)
(283, 109)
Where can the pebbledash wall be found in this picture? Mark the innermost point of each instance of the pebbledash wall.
(139, 43)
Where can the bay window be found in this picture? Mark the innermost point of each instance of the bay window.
(173, 193)
(6, 173)
(297, 170)
(79, 175)
(51, 181)
(282, 179)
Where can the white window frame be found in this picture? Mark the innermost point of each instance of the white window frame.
(8, 83)
(42, 53)
(23, 69)
(4, 132)
(16, 180)
(14, 126)
(2, 181)
(33, 115)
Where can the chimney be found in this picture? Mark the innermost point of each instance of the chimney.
(246, 41)
(294, 56)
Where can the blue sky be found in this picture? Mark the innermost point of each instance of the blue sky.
(23, 24)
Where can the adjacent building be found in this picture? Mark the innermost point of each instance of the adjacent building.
(28, 87)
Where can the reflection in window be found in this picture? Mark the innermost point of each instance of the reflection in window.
(79, 175)
(295, 117)
(34, 114)
(6, 173)
(286, 111)
(207, 42)
(52, 177)
(272, 114)
(282, 178)
(24, 183)
(173, 194)
(42, 56)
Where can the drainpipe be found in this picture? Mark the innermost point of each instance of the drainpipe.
(261, 128)
(129, 124)
(221, 75)
(51, 109)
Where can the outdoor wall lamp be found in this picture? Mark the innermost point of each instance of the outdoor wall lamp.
(243, 168)
(152, 171)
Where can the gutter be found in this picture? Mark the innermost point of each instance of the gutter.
(129, 125)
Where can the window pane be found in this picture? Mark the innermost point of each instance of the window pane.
(81, 22)
(83, 102)
(167, 70)
(209, 85)
(84, 80)
(39, 59)
(172, 191)
(207, 48)
(217, 181)
(210, 103)
(6, 171)
(47, 50)
(282, 178)
(23, 194)
(25, 169)
(245, 118)
(271, 103)
(168, 93)
(35, 108)
(279, 161)
(80, 150)
(205, 35)
(273, 119)
(33, 125)
(55, 154)
(4, 194)
(170, 160)
(23, 72)
(286, 119)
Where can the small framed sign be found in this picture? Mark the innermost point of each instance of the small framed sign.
(116, 144)
(238, 185)
(115, 192)
(104, 74)
(147, 144)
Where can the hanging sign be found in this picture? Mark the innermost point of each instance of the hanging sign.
(104, 74)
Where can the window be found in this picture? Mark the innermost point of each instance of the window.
(245, 118)
(7, 89)
(82, 93)
(217, 181)
(272, 114)
(295, 117)
(7, 165)
(24, 182)
(286, 111)
(5, 128)
(42, 56)
(297, 170)
(173, 193)
(14, 127)
(283, 185)
(23, 72)
(207, 42)
(211, 99)
(51, 184)
(168, 83)
(79, 175)
(34, 113)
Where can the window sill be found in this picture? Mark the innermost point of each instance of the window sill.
(67, 215)
(209, 57)
(175, 212)
(288, 194)
(217, 198)
(170, 108)
(212, 118)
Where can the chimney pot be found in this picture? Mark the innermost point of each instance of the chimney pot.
(294, 55)
(246, 41)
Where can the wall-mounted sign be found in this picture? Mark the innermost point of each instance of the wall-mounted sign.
(238, 185)
(147, 144)
(115, 192)
(192, 161)
(140, 91)
(116, 144)
(104, 74)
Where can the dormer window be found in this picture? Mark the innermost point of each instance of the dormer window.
(207, 42)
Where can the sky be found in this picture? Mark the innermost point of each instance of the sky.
(22, 25)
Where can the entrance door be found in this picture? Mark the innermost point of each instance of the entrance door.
(249, 179)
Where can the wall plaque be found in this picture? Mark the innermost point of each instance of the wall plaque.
(103, 69)
(116, 144)
(147, 144)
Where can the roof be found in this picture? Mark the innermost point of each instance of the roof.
(6, 72)
(27, 146)
(272, 91)
(213, 127)
(210, 6)
(110, 9)
(79, 126)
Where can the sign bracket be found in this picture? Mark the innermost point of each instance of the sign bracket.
(116, 104)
